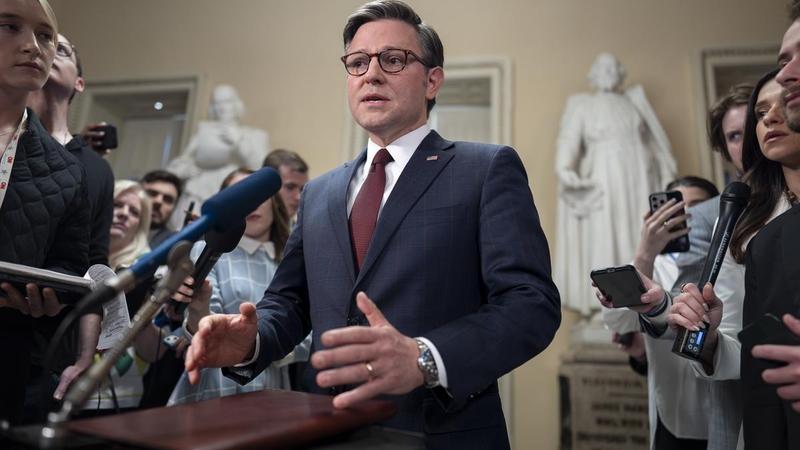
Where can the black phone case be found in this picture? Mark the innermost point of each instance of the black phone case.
(767, 329)
(657, 199)
(621, 285)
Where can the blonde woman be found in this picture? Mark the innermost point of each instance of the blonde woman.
(43, 219)
(130, 224)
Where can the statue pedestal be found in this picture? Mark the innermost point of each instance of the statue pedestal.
(590, 331)
(603, 401)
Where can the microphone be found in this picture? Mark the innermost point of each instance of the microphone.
(100, 274)
(733, 200)
(180, 266)
(216, 244)
(222, 211)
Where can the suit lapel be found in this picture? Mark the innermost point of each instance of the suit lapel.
(424, 166)
(338, 210)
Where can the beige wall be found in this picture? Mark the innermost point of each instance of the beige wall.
(283, 57)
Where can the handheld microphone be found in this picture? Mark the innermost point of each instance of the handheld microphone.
(733, 200)
(180, 266)
(222, 211)
(216, 244)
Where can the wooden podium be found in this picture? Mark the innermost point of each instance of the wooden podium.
(266, 420)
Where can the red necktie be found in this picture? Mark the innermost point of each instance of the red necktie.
(364, 214)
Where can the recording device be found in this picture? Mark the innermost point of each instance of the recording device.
(620, 285)
(733, 200)
(109, 141)
(657, 200)
(216, 244)
(224, 210)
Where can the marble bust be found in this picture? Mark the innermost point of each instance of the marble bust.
(219, 146)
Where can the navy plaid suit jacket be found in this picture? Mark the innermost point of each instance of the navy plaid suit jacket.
(458, 256)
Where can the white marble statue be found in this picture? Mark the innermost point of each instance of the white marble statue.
(220, 145)
(611, 154)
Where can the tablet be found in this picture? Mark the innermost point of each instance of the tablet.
(70, 289)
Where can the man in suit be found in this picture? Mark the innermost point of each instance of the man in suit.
(451, 289)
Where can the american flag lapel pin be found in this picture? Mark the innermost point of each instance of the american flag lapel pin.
(432, 158)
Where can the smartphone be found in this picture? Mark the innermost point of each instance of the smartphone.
(621, 285)
(109, 137)
(767, 329)
(657, 200)
(626, 339)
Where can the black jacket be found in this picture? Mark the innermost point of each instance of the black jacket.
(44, 220)
(772, 268)
(100, 183)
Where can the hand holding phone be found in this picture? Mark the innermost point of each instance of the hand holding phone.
(621, 286)
(666, 224)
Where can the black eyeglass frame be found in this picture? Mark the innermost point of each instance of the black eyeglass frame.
(68, 46)
(378, 54)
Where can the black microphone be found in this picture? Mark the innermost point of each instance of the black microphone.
(216, 244)
(222, 211)
(733, 200)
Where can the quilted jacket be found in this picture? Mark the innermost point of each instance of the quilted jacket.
(44, 220)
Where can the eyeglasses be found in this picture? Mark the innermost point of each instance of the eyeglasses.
(64, 49)
(392, 60)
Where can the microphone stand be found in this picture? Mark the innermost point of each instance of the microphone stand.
(179, 267)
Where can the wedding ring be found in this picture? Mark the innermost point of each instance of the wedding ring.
(370, 370)
(666, 223)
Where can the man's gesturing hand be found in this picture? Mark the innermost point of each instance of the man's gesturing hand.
(222, 340)
(378, 356)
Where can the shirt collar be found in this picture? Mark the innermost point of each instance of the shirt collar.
(401, 148)
(250, 246)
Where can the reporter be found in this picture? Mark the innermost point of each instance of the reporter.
(242, 274)
(769, 152)
(678, 400)
(44, 222)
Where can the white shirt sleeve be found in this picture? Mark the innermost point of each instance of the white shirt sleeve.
(255, 354)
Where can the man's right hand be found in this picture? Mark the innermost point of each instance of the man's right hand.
(222, 340)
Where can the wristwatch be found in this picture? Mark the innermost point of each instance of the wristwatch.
(427, 365)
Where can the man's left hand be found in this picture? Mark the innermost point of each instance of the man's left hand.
(379, 356)
(38, 303)
(788, 375)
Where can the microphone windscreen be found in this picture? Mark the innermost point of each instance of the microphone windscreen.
(737, 192)
(236, 201)
(99, 274)
(225, 241)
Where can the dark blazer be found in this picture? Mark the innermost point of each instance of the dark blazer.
(44, 222)
(772, 266)
(458, 256)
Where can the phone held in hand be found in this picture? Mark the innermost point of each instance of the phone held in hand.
(767, 329)
(620, 285)
(657, 200)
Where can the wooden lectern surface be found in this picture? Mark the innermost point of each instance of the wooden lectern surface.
(267, 419)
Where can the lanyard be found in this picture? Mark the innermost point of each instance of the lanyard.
(9, 154)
